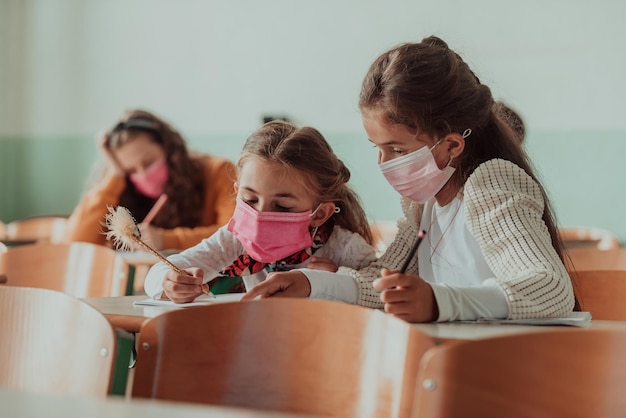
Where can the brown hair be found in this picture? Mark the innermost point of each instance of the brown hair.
(185, 185)
(305, 150)
(428, 87)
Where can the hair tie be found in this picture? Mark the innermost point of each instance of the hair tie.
(466, 133)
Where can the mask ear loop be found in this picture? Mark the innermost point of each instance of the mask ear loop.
(336, 210)
(436, 143)
(465, 134)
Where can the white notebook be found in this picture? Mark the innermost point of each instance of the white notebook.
(199, 301)
(576, 319)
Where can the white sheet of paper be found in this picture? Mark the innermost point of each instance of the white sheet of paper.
(199, 301)
(576, 319)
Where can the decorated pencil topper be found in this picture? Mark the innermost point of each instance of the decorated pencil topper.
(125, 234)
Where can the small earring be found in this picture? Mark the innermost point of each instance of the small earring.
(466, 133)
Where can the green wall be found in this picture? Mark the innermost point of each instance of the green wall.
(582, 172)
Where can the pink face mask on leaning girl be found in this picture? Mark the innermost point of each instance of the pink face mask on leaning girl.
(152, 180)
(416, 175)
(270, 236)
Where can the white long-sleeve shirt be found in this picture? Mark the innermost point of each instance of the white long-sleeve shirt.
(217, 252)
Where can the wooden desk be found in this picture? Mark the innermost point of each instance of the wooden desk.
(454, 331)
(27, 405)
(122, 314)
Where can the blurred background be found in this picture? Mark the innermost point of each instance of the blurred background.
(215, 68)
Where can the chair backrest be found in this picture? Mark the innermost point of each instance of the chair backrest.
(78, 268)
(37, 228)
(290, 355)
(562, 373)
(601, 292)
(595, 259)
(585, 237)
(53, 342)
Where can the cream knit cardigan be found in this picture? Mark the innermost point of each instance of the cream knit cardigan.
(503, 211)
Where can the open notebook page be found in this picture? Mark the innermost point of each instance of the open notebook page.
(199, 301)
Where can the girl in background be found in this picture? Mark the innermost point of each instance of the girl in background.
(146, 158)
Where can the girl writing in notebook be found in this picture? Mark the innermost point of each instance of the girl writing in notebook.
(295, 210)
(491, 247)
(147, 161)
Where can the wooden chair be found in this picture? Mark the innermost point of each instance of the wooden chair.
(79, 268)
(601, 292)
(594, 259)
(290, 355)
(53, 342)
(584, 237)
(563, 373)
(37, 228)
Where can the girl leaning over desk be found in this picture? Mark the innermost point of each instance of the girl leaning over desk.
(146, 157)
(491, 248)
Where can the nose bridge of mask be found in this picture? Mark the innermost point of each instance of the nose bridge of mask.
(416, 155)
(274, 216)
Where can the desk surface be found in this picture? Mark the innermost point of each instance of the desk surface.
(123, 314)
(26, 405)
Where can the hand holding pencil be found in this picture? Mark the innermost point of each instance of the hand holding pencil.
(407, 295)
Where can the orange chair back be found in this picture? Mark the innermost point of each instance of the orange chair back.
(572, 373)
(79, 268)
(601, 292)
(291, 355)
(594, 259)
(53, 342)
(37, 228)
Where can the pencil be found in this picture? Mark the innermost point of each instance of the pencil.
(420, 237)
(155, 209)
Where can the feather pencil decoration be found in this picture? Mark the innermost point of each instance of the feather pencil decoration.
(125, 234)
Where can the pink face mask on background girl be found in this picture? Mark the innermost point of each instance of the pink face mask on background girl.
(152, 180)
(416, 175)
(270, 236)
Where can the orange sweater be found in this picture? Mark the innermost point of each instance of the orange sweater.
(85, 223)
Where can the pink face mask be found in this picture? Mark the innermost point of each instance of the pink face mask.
(416, 175)
(152, 180)
(270, 236)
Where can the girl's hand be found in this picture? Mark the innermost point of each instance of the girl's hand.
(321, 263)
(101, 143)
(181, 288)
(288, 284)
(407, 296)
